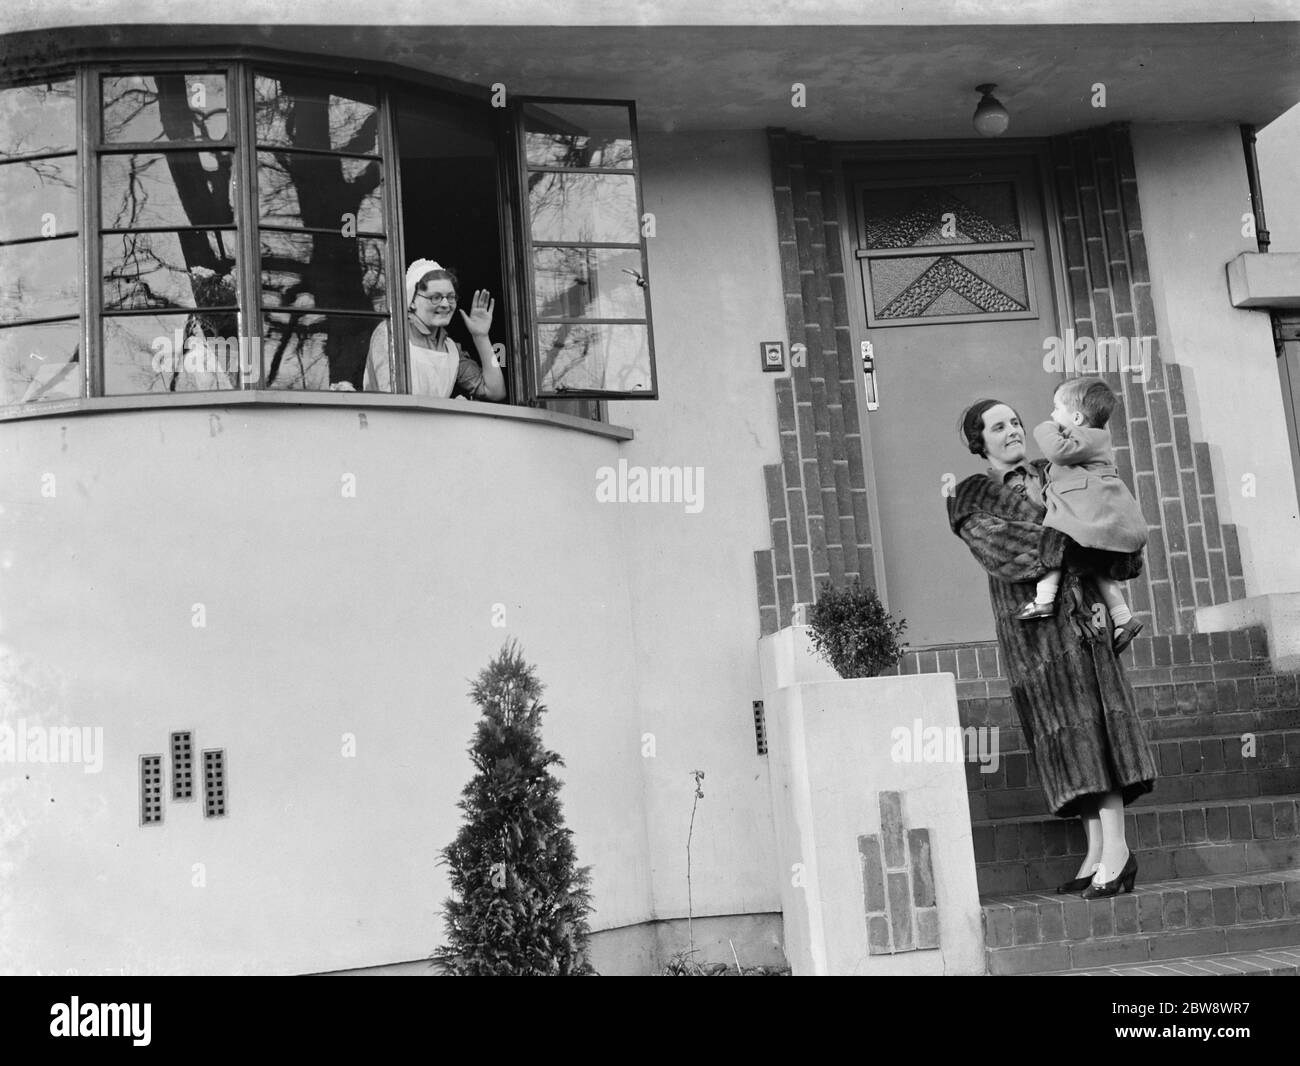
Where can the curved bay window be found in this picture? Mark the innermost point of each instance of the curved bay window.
(214, 226)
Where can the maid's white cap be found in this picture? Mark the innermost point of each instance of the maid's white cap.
(414, 273)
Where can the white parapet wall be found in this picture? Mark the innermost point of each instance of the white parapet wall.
(873, 830)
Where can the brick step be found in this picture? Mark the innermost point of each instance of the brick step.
(1274, 749)
(1035, 932)
(981, 661)
(1013, 791)
(1241, 836)
(1205, 789)
(1277, 962)
(1208, 703)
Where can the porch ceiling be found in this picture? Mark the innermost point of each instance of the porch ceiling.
(863, 82)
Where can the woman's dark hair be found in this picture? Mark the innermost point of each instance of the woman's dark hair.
(442, 272)
(971, 425)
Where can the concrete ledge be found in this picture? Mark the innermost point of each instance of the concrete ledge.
(1265, 281)
(1277, 612)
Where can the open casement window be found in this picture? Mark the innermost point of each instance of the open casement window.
(584, 251)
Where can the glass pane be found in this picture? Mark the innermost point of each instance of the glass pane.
(304, 112)
(588, 283)
(40, 362)
(165, 107)
(193, 268)
(322, 270)
(38, 198)
(38, 118)
(583, 207)
(167, 189)
(591, 357)
(323, 192)
(197, 352)
(917, 215)
(936, 286)
(39, 280)
(578, 135)
(308, 351)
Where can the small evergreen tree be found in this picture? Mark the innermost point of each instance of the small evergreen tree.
(520, 903)
(852, 631)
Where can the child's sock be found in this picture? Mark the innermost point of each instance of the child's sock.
(1121, 615)
(1113, 596)
(1047, 587)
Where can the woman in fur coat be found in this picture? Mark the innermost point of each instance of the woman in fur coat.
(1075, 705)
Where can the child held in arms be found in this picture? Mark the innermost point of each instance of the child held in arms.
(1088, 502)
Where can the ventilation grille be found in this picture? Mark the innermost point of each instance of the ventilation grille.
(151, 790)
(182, 766)
(214, 783)
(760, 728)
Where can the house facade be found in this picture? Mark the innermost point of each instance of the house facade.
(746, 276)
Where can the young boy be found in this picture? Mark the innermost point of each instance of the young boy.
(1087, 501)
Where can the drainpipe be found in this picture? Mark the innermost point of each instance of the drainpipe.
(1256, 195)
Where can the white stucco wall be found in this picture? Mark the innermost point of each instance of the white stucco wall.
(715, 280)
(1193, 191)
(325, 615)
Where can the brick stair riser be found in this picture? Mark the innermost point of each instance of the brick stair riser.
(1238, 837)
(1161, 703)
(1273, 749)
(981, 661)
(1192, 860)
(1220, 684)
(1193, 789)
(1046, 958)
(1276, 962)
(1170, 921)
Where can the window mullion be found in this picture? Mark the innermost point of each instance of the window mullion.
(243, 122)
(391, 188)
(88, 125)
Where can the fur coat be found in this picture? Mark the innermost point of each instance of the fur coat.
(1074, 703)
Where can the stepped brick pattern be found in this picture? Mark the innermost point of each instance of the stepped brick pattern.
(817, 494)
(1192, 560)
(1217, 843)
(898, 884)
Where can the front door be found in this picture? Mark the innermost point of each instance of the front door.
(955, 274)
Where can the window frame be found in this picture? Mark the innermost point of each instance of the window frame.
(525, 246)
(240, 65)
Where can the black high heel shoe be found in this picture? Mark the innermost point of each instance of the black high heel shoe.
(1078, 884)
(1111, 888)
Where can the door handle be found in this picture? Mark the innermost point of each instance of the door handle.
(869, 372)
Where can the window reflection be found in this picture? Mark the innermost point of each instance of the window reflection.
(39, 198)
(329, 192)
(312, 351)
(40, 363)
(154, 270)
(166, 189)
(38, 119)
(297, 111)
(577, 135)
(586, 356)
(588, 283)
(39, 279)
(197, 352)
(164, 107)
(583, 207)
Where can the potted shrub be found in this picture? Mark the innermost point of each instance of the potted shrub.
(851, 630)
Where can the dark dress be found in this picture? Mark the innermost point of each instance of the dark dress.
(1074, 703)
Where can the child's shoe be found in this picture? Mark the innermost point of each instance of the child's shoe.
(1034, 610)
(1124, 636)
